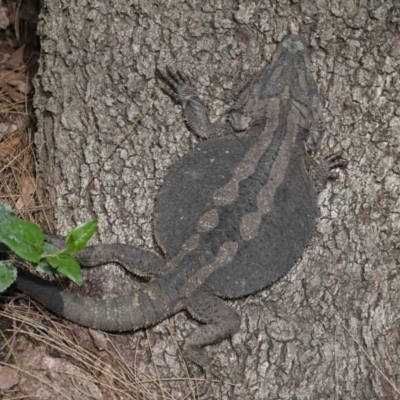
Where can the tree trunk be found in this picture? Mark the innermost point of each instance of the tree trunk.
(330, 328)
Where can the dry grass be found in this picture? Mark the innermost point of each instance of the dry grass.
(106, 370)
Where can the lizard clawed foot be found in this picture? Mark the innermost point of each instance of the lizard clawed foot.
(333, 161)
(180, 87)
(321, 169)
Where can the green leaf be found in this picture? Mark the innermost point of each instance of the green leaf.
(24, 238)
(45, 267)
(8, 274)
(6, 214)
(66, 265)
(79, 236)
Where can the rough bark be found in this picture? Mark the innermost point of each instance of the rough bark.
(301, 338)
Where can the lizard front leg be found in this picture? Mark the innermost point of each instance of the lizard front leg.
(182, 90)
(320, 170)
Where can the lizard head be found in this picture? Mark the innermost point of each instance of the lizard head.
(290, 68)
(289, 76)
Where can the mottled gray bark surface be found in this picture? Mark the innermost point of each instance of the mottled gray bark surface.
(97, 73)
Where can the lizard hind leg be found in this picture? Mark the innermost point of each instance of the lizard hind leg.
(136, 261)
(220, 321)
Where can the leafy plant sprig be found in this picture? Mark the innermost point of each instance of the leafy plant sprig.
(26, 240)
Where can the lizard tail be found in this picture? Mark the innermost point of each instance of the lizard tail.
(113, 314)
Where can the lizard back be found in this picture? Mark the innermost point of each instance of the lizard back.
(251, 189)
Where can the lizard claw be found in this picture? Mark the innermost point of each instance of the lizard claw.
(179, 86)
(333, 161)
(321, 169)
